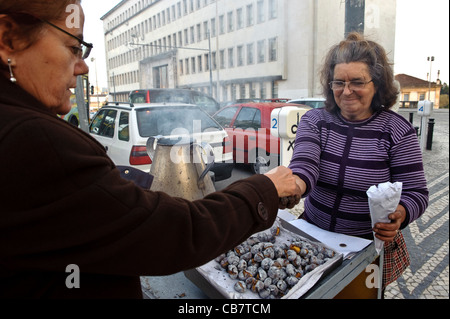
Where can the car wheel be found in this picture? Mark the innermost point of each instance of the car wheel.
(260, 163)
(73, 120)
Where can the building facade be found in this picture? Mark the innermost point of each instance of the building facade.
(234, 49)
(414, 90)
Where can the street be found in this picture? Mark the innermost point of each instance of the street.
(427, 239)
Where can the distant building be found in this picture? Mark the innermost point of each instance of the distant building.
(259, 48)
(414, 90)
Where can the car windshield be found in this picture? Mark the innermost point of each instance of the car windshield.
(174, 121)
(137, 98)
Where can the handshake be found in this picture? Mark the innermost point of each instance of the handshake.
(290, 187)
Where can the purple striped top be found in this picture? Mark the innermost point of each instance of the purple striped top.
(340, 160)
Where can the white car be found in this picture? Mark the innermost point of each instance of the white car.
(124, 128)
(313, 102)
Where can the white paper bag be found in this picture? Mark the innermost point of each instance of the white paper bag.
(383, 201)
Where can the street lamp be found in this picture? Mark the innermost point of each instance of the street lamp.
(430, 59)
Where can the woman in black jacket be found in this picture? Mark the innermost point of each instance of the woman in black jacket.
(62, 201)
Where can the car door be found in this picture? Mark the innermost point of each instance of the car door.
(225, 118)
(103, 126)
(245, 134)
(120, 148)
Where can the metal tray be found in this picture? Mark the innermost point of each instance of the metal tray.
(216, 283)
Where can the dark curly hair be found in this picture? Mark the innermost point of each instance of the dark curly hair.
(357, 49)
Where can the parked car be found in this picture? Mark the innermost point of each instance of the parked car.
(185, 96)
(248, 126)
(277, 100)
(124, 128)
(315, 103)
(72, 117)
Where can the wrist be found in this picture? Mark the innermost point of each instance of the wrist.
(301, 184)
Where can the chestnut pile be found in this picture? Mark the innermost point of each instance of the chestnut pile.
(269, 269)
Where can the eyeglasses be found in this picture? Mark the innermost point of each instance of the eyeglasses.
(352, 85)
(85, 48)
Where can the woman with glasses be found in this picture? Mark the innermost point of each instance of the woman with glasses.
(355, 142)
(63, 204)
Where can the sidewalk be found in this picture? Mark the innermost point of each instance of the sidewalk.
(427, 239)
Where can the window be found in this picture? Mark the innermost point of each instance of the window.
(250, 53)
(199, 32)
(163, 121)
(214, 60)
(104, 123)
(124, 132)
(240, 55)
(250, 15)
(206, 62)
(231, 58)
(205, 102)
(242, 91)
(222, 59)
(221, 24)
(206, 30)
(260, 9)
(225, 117)
(252, 90)
(213, 28)
(273, 48)
(248, 118)
(193, 65)
(262, 90)
(192, 35)
(240, 18)
(185, 7)
(200, 63)
(186, 64)
(179, 9)
(230, 21)
(181, 67)
(261, 51)
(233, 92)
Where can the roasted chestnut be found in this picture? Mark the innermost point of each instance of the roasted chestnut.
(233, 271)
(271, 269)
(240, 286)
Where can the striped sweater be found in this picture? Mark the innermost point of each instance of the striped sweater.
(339, 160)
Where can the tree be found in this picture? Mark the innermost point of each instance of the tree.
(444, 89)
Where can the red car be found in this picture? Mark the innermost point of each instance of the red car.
(248, 127)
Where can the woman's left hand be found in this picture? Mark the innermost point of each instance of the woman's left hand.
(387, 231)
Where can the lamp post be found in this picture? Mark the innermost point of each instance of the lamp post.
(430, 59)
(96, 80)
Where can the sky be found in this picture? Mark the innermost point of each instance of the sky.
(422, 31)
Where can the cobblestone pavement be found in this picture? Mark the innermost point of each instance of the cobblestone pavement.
(427, 238)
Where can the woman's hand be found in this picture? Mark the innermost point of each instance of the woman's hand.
(387, 231)
(287, 186)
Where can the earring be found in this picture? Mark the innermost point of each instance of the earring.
(12, 78)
